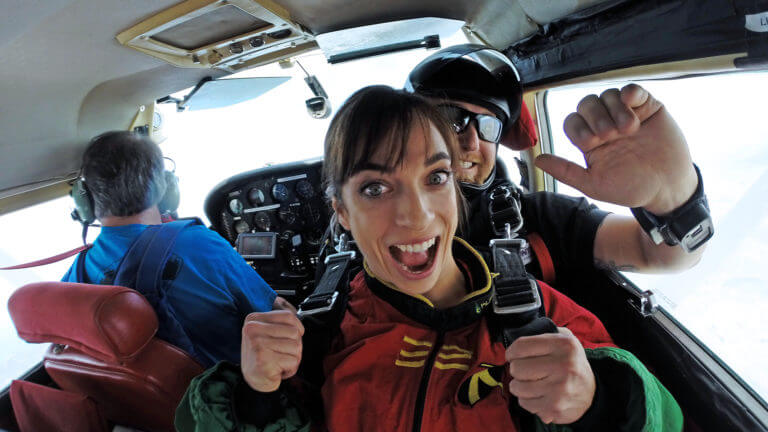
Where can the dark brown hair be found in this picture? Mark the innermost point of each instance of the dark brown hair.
(377, 116)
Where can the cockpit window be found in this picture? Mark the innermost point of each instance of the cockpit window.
(32, 233)
(723, 299)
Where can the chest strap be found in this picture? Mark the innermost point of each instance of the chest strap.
(517, 307)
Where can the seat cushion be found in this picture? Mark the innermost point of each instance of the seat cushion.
(142, 392)
(44, 409)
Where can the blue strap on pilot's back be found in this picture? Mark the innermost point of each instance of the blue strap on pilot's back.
(142, 269)
(80, 274)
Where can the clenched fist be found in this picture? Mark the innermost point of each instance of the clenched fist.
(271, 348)
(551, 376)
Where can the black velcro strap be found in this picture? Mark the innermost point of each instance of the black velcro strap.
(540, 325)
(516, 298)
(507, 262)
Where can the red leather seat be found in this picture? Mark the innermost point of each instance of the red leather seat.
(104, 347)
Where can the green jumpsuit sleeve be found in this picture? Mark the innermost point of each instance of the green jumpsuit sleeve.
(632, 398)
(219, 400)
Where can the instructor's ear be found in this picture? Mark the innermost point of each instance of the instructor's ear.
(341, 213)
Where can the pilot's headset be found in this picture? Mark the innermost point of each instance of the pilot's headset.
(85, 212)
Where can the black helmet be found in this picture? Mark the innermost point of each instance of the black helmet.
(471, 73)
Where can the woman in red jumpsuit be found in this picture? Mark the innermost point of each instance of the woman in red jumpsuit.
(414, 351)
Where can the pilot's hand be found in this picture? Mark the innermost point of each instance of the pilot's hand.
(635, 154)
(271, 348)
(551, 376)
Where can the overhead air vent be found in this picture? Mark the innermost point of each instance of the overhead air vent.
(226, 34)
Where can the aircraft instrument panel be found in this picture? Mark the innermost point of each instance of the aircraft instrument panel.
(275, 217)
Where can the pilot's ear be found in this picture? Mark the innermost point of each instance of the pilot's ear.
(341, 212)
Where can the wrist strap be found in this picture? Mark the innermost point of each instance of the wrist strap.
(689, 225)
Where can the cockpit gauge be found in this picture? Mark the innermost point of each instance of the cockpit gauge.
(280, 192)
(305, 189)
(287, 215)
(256, 196)
(235, 206)
(241, 226)
(261, 219)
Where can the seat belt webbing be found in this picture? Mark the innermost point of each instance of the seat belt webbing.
(50, 260)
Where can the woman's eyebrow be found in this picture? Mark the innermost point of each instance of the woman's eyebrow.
(370, 166)
(436, 157)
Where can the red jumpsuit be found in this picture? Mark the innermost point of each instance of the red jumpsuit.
(400, 365)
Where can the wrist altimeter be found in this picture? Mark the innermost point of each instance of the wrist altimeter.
(690, 225)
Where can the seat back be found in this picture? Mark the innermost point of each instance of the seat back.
(104, 348)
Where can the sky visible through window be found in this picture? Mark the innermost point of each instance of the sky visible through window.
(723, 299)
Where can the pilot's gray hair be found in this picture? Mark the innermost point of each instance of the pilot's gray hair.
(123, 172)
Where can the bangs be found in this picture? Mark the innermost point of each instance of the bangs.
(383, 144)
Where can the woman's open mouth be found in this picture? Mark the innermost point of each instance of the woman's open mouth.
(416, 259)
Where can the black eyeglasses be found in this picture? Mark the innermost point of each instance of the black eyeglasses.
(488, 127)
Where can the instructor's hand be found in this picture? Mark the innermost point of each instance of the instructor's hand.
(551, 376)
(635, 154)
(271, 348)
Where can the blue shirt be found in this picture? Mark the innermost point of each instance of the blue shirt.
(214, 288)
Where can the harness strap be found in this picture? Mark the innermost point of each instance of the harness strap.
(150, 271)
(125, 273)
(514, 290)
(546, 264)
(517, 307)
(50, 260)
(82, 276)
(142, 269)
(325, 294)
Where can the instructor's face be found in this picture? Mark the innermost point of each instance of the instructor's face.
(476, 156)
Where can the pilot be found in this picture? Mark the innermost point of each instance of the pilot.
(635, 156)
(414, 349)
(206, 290)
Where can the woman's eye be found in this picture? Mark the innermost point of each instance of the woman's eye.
(373, 189)
(437, 178)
